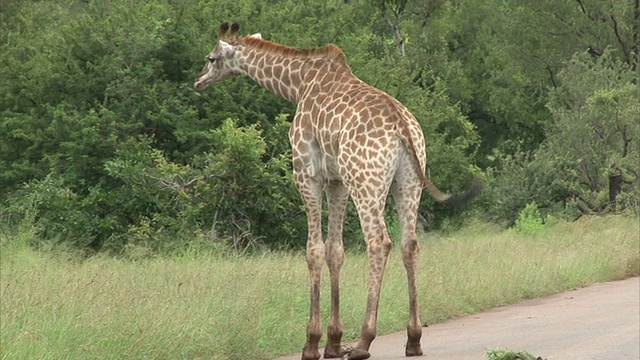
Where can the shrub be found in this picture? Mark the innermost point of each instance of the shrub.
(502, 354)
(592, 136)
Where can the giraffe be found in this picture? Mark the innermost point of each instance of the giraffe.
(350, 140)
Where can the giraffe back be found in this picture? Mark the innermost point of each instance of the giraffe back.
(340, 110)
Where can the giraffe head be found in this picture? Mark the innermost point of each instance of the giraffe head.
(222, 62)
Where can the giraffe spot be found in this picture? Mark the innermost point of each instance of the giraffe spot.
(302, 147)
(268, 83)
(340, 108)
(376, 134)
(378, 122)
(329, 76)
(268, 72)
(360, 178)
(277, 71)
(281, 88)
(359, 106)
(314, 91)
(311, 74)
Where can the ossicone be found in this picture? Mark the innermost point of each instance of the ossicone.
(224, 28)
(234, 29)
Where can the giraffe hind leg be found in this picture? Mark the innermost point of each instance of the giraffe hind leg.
(406, 191)
(371, 211)
(337, 197)
(310, 189)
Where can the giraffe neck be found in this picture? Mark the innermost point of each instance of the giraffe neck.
(283, 70)
(278, 74)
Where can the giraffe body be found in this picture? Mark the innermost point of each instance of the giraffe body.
(348, 139)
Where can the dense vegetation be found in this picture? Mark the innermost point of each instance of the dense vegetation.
(105, 144)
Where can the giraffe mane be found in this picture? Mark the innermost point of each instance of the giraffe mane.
(330, 51)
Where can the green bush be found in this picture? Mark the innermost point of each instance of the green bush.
(502, 354)
(98, 118)
(530, 222)
(593, 134)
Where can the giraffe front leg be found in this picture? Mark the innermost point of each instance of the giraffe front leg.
(337, 196)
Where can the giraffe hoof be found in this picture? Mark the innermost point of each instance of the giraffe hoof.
(333, 352)
(310, 355)
(357, 354)
(413, 350)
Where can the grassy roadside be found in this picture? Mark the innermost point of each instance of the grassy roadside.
(256, 307)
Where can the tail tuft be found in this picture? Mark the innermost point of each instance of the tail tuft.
(458, 199)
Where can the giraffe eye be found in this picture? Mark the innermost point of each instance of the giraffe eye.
(211, 59)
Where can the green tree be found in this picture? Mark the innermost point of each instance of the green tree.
(98, 119)
(594, 135)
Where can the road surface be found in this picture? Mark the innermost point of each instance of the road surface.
(599, 322)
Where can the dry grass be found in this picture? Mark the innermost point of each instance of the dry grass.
(257, 307)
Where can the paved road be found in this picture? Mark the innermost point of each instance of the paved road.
(599, 322)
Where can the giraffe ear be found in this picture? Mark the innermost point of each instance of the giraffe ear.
(234, 30)
(222, 31)
(256, 35)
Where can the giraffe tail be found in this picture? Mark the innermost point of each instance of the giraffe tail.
(434, 191)
(453, 199)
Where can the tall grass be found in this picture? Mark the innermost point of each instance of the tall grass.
(207, 307)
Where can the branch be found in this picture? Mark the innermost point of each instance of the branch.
(636, 37)
(623, 43)
(584, 11)
(598, 128)
(590, 183)
(395, 25)
(583, 208)
(597, 17)
(213, 231)
(205, 177)
(627, 140)
(553, 80)
(172, 184)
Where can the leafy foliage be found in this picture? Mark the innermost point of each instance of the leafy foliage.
(502, 354)
(106, 144)
(594, 133)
